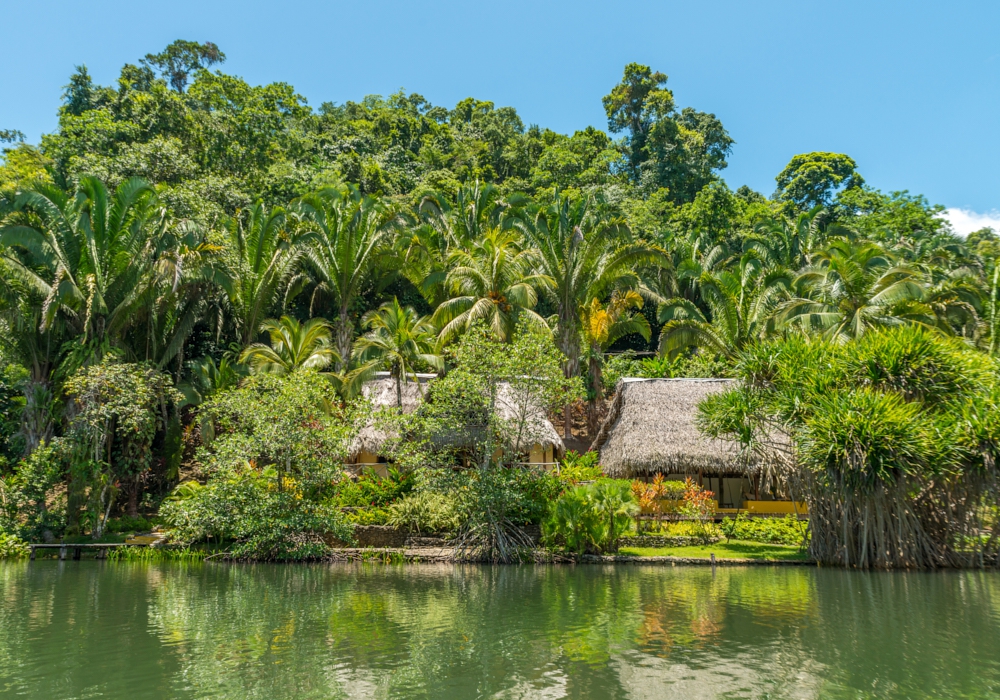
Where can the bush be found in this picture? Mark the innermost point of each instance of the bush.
(424, 512)
(577, 467)
(368, 516)
(591, 517)
(261, 521)
(12, 547)
(24, 494)
(373, 491)
(787, 530)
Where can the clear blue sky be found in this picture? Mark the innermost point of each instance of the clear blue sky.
(911, 90)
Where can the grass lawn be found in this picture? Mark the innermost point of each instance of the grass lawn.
(723, 550)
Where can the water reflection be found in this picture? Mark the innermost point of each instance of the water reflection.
(87, 629)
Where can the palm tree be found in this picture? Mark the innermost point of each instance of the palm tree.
(90, 256)
(852, 287)
(293, 346)
(445, 227)
(492, 283)
(602, 326)
(399, 338)
(75, 267)
(262, 263)
(350, 251)
(579, 251)
(741, 302)
(788, 243)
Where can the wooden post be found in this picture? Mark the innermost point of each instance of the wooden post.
(31, 556)
(76, 553)
(102, 553)
(62, 553)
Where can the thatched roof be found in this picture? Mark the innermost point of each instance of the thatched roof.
(650, 428)
(381, 393)
(538, 429)
(520, 411)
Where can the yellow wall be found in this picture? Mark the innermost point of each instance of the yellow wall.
(541, 455)
(366, 460)
(776, 507)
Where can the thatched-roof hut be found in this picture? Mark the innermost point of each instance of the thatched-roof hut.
(529, 428)
(539, 440)
(650, 428)
(366, 446)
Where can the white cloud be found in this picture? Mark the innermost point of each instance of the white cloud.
(965, 221)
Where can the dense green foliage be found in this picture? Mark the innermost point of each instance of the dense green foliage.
(592, 516)
(892, 440)
(787, 530)
(175, 221)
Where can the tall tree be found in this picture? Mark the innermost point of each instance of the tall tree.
(676, 151)
(181, 58)
(741, 303)
(812, 179)
(494, 283)
(261, 265)
(853, 286)
(400, 338)
(579, 252)
(92, 255)
(350, 251)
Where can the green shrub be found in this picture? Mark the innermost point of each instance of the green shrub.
(787, 530)
(372, 491)
(12, 547)
(24, 495)
(424, 511)
(577, 467)
(591, 517)
(260, 521)
(368, 516)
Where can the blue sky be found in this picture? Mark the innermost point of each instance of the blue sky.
(911, 90)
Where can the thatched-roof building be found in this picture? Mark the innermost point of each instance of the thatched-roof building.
(650, 429)
(539, 442)
(366, 446)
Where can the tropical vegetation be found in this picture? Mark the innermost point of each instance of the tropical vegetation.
(198, 276)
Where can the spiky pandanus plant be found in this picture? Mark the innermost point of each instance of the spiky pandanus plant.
(892, 440)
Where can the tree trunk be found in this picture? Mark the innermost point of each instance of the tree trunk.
(399, 390)
(597, 403)
(36, 418)
(132, 506)
(571, 349)
(345, 333)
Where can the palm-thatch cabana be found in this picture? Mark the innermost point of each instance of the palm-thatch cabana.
(365, 449)
(538, 439)
(527, 428)
(650, 429)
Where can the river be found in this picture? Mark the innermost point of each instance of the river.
(93, 629)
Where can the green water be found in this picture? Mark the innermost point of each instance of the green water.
(113, 630)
